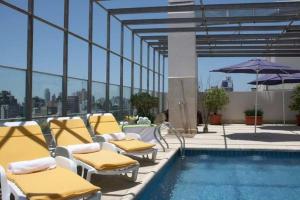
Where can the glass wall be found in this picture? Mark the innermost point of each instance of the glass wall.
(62, 58)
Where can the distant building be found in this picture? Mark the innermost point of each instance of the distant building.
(47, 95)
(227, 84)
(73, 104)
(9, 107)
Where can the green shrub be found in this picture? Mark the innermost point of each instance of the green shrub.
(144, 103)
(215, 99)
(295, 99)
(251, 112)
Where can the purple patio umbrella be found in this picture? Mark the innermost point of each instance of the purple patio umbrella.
(277, 79)
(258, 66)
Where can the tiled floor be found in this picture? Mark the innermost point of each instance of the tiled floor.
(224, 137)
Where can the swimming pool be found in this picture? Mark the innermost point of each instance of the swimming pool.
(227, 175)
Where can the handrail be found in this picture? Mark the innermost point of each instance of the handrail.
(157, 130)
(179, 137)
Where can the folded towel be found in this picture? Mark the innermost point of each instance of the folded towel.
(84, 148)
(30, 166)
(118, 136)
(107, 137)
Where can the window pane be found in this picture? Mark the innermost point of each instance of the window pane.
(99, 25)
(136, 91)
(12, 93)
(77, 96)
(136, 76)
(98, 97)
(126, 98)
(47, 49)
(79, 17)
(99, 64)
(51, 10)
(150, 80)
(156, 82)
(115, 35)
(127, 43)
(136, 49)
(46, 94)
(144, 78)
(114, 97)
(127, 73)
(156, 61)
(19, 3)
(161, 83)
(151, 58)
(13, 40)
(114, 69)
(144, 54)
(78, 58)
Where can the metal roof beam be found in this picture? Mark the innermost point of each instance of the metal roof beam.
(230, 36)
(161, 9)
(243, 51)
(262, 47)
(224, 20)
(238, 42)
(217, 29)
(248, 55)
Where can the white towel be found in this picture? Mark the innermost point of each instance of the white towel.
(107, 137)
(118, 136)
(30, 166)
(84, 148)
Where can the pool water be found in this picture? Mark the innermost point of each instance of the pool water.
(227, 175)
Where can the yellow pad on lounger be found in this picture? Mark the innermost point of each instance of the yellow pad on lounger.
(54, 184)
(29, 139)
(105, 160)
(70, 132)
(104, 124)
(132, 145)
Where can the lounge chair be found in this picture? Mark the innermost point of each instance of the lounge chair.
(105, 127)
(67, 132)
(24, 141)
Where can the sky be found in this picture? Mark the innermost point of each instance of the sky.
(48, 47)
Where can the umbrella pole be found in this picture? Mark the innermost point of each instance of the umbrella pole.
(283, 101)
(255, 117)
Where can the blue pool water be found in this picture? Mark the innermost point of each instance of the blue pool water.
(227, 175)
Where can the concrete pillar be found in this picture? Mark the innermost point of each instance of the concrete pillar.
(183, 72)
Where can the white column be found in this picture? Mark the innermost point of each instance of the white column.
(183, 75)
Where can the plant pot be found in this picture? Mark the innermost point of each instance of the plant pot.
(298, 120)
(250, 120)
(215, 119)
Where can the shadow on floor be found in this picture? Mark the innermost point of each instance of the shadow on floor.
(112, 183)
(144, 162)
(281, 128)
(201, 132)
(264, 137)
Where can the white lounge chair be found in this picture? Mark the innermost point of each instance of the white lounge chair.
(68, 131)
(106, 128)
(24, 141)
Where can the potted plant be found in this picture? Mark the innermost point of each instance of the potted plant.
(250, 117)
(295, 103)
(215, 99)
(144, 103)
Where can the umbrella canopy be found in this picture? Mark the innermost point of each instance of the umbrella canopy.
(277, 79)
(258, 66)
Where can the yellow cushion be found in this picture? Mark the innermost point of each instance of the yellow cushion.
(132, 145)
(21, 143)
(55, 184)
(70, 132)
(105, 124)
(105, 160)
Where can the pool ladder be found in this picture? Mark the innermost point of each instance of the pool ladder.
(178, 135)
